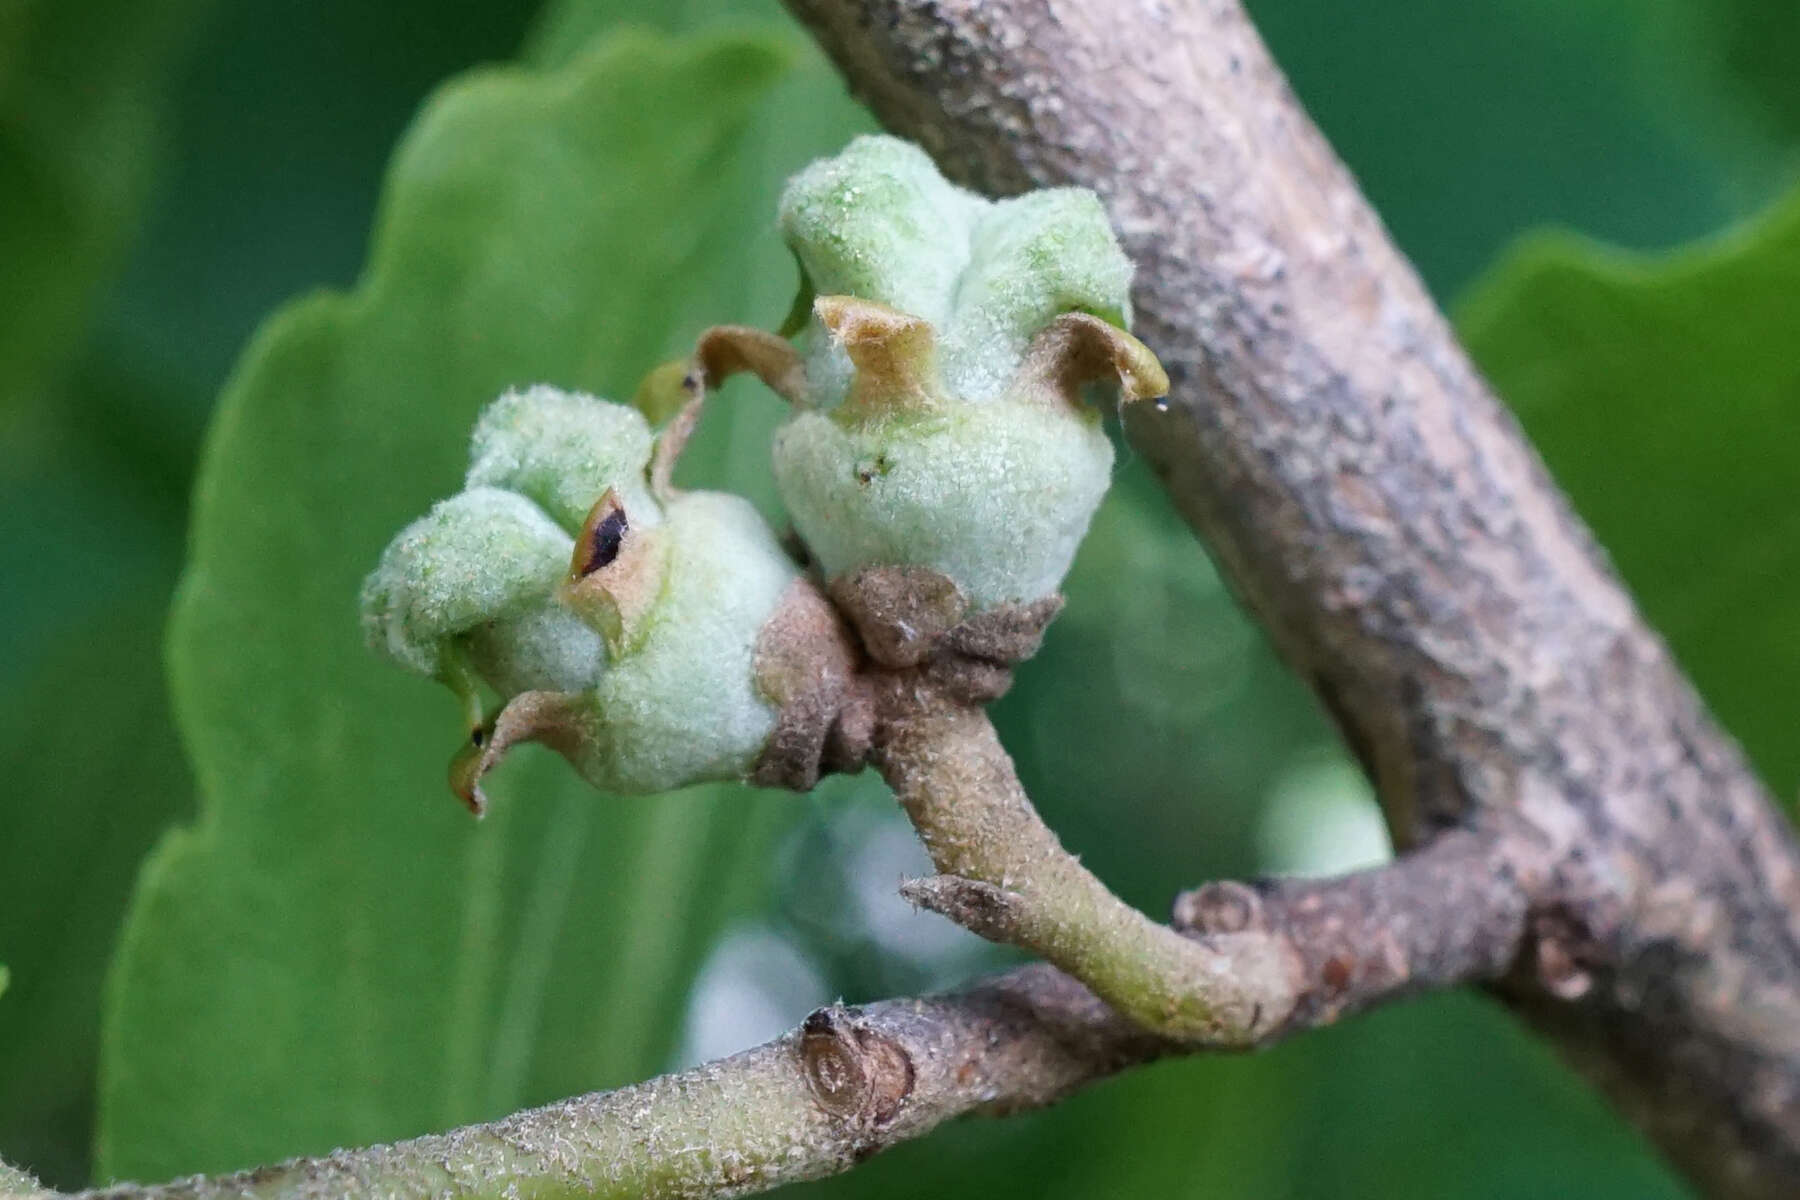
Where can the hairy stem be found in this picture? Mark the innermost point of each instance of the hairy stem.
(1004, 875)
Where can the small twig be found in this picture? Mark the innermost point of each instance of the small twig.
(1004, 875)
(1258, 960)
(1450, 912)
(846, 1084)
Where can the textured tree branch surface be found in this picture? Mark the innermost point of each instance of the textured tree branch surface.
(847, 1083)
(1256, 963)
(1380, 512)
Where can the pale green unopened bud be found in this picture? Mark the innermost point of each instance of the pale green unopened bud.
(478, 575)
(878, 222)
(942, 423)
(681, 702)
(563, 450)
(1033, 258)
(614, 618)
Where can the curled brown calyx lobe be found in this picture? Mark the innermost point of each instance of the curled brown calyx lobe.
(806, 664)
(554, 719)
(913, 616)
(673, 395)
(1077, 349)
(828, 663)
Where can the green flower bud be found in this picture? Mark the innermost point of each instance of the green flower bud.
(878, 222)
(473, 583)
(1033, 258)
(681, 701)
(941, 422)
(563, 450)
(994, 496)
(616, 619)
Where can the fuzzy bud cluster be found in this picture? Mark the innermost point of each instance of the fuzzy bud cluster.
(939, 439)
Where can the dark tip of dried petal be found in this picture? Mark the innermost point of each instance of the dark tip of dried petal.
(597, 545)
(603, 545)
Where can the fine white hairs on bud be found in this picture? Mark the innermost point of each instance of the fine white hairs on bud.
(614, 624)
(940, 461)
(942, 424)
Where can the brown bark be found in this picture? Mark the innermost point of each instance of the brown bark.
(1379, 511)
(1450, 912)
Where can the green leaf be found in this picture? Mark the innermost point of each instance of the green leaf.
(1468, 122)
(1749, 46)
(565, 27)
(93, 774)
(335, 953)
(1665, 395)
(82, 92)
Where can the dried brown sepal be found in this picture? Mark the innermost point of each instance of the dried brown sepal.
(671, 442)
(911, 616)
(852, 735)
(673, 395)
(806, 662)
(968, 681)
(556, 719)
(899, 612)
(726, 350)
(616, 573)
(1077, 349)
(894, 353)
(1009, 634)
(830, 682)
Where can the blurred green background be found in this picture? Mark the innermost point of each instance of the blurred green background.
(322, 949)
